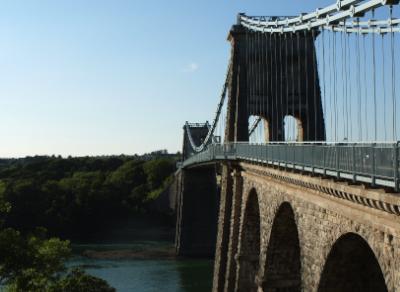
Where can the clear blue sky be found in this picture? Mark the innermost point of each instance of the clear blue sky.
(100, 77)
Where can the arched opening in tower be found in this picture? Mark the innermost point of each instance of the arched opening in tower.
(293, 129)
(352, 267)
(259, 129)
(282, 266)
(249, 253)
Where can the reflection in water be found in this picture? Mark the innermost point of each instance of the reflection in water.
(195, 275)
(148, 275)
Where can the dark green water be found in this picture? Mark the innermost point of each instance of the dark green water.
(145, 275)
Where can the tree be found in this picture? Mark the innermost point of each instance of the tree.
(32, 262)
(157, 171)
(78, 281)
(128, 176)
(70, 197)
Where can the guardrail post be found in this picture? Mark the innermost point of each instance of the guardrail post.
(269, 153)
(354, 162)
(286, 155)
(313, 158)
(337, 161)
(294, 157)
(323, 159)
(373, 165)
(225, 155)
(396, 166)
(265, 148)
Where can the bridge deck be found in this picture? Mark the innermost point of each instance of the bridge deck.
(372, 163)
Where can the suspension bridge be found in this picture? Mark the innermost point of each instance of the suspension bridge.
(294, 185)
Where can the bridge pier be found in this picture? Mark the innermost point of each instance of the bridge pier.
(230, 276)
(196, 225)
(228, 229)
(225, 211)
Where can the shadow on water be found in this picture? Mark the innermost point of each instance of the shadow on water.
(195, 275)
(150, 275)
(140, 258)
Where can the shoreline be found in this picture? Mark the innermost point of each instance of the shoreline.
(129, 254)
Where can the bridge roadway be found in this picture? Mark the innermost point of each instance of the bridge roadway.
(372, 163)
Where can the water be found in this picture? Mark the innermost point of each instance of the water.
(144, 266)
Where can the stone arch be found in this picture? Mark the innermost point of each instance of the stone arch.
(293, 129)
(249, 253)
(282, 272)
(351, 266)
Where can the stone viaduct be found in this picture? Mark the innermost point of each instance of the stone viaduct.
(283, 231)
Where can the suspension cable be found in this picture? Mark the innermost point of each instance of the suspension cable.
(344, 97)
(315, 80)
(293, 85)
(287, 86)
(365, 88)
(359, 87)
(210, 133)
(349, 90)
(374, 82)
(394, 105)
(276, 90)
(335, 87)
(306, 65)
(299, 76)
(383, 85)
(280, 122)
(323, 75)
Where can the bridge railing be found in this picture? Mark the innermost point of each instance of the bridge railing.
(374, 163)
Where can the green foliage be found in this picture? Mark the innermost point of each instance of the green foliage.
(157, 171)
(154, 194)
(75, 197)
(78, 281)
(5, 206)
(34, 263)
(128, 175)
(138, 195)
(31, 262)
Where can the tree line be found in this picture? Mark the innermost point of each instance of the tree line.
(74, 197)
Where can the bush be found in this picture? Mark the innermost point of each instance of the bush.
(78, 281)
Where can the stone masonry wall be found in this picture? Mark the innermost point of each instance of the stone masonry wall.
(321, 219)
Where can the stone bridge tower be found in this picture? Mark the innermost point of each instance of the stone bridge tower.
(273, 77)
(267, 100)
